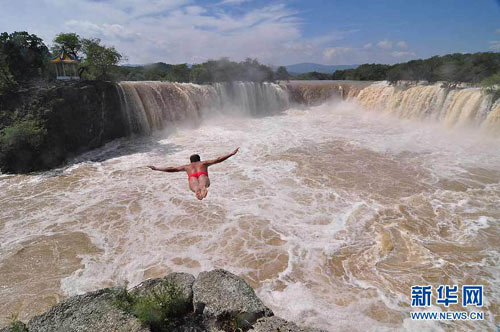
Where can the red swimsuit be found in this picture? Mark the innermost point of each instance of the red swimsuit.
(197, 175)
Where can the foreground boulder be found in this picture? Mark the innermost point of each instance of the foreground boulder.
(89, 312)
(220, 296)
(215, 301)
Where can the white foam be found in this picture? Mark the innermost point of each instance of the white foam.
(135, 216)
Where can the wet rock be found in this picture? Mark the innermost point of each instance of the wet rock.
(225, 300)
(92, 311)
(274, 324)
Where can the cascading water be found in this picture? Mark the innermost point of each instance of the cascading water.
(150, 106)
(451, 107)
(155, 105)
(492, 123)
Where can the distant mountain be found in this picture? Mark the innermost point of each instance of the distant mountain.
(300, 68)
(131, 65)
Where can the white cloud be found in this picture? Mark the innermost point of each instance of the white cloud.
(345, 54)
(332, 53)
(232, 2)
(495, 44)
(108, 31)
(179, 31)
(402, 54)
(402, 44)
(173, 31)
(384, 44)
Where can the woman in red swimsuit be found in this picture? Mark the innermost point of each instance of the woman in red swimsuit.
(197, 172)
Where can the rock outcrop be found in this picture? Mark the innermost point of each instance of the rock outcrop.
(215, 301)
(43, 126)
(88, 312)
(219, 295)
(183, 281)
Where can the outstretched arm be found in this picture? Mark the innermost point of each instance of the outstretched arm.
(168, 169)
(220, 159)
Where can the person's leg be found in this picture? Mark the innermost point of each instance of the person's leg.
(204, 183)
(195, 187)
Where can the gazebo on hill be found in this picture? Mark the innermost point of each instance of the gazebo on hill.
(66, 66)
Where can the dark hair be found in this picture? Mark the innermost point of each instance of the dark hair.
(194, 158)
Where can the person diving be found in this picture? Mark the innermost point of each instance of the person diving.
(197, 172)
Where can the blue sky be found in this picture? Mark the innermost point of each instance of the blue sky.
(275, 32)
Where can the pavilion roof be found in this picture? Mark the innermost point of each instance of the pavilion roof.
(64, 57)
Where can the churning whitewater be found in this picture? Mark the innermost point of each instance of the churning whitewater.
(335, 209)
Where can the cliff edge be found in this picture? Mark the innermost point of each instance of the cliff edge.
(43, 125)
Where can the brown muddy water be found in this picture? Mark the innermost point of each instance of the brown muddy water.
(330, 213)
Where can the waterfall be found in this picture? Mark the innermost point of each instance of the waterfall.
(451, 107)
(459, 107)
(492, 122)
(150, 106)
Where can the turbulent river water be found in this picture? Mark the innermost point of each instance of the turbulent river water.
(331, 212)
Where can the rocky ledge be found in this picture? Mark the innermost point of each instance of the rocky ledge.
(43, 126)
(214, 301)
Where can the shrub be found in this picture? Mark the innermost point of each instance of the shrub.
(7, 82)
(156, 308)
(19, 144)
(491, 82)
(16, 325)
(27, 132)
(492, 86)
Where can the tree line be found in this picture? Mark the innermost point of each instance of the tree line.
(483, 67)
(24, 58)
(222, 70)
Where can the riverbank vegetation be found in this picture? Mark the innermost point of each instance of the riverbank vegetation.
(222, 70)
(25, 59)
(455, 68)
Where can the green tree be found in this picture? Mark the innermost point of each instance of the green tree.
(492, 82)
(25, 54)
(157, 71)
(225, 70)
(7, 81)
(180, 73)
(19, 144)
(71, 42)
(282, 74)
(314, 75)
(200, 74)
(492, 86)
(99, 59)
(451, 68)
